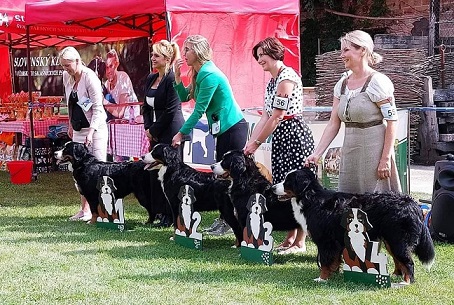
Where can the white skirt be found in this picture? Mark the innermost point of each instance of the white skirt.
(100, 138)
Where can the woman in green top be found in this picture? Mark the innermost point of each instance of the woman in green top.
(213, 95)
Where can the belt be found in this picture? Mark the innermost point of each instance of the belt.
(289, 117)
(363, 125)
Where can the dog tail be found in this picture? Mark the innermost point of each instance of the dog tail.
(425, 248)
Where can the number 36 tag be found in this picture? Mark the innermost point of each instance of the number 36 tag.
(280, 103)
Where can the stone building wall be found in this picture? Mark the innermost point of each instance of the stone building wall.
(417, 17)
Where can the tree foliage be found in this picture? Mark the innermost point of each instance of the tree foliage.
(321, 30)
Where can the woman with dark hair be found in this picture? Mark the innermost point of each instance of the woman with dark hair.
(282, 117)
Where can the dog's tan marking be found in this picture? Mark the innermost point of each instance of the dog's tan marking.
(264, 171)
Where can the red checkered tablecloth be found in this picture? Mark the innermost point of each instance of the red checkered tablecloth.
(40, 127)
(127, 140)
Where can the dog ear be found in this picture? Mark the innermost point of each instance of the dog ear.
(251, 201)
(79, 151)
(182, 192)
(191, 194)
(238, 165)
(304, 178)
(345, 216)
(170, 154)
(113, 187)
(100, 183)
(366, 222)
(262, 201)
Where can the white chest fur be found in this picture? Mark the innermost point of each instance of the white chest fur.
(299, 217)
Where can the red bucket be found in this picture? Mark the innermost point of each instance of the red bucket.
(20, 171)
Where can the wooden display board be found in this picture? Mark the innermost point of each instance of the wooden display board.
(188, 221)
(110, 209)
(257, 244)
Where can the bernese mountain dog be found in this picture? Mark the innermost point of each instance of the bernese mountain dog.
(128, 177)
(210, 193)
(395, 218)
(247, 180)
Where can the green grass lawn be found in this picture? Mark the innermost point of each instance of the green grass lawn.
(45, 259)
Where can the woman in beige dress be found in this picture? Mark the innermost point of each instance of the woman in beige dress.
(364, 101)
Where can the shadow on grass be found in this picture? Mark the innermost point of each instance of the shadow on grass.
(153, 244)
(54, 194)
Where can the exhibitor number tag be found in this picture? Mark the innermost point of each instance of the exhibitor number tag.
(280, 103)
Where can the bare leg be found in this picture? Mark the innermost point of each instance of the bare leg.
(288, 241)
(299, 243)
(300, 240)
(84, 213)
(84, 206)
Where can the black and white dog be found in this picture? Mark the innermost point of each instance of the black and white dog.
(395, 218)
(210, 193)
(247, 180)
(128, 177)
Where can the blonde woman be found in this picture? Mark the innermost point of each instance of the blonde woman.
(162, 113)
(83, 92)
(364, 101)
(213, 96)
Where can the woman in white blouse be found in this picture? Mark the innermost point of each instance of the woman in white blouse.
(83, 93)
(364, 101)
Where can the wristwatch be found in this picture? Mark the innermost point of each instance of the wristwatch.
(258, 142)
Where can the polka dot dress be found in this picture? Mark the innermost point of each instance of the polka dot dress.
(292, 140)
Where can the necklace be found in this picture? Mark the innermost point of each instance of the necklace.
(279, 72)
(113, 83)
(156, 83)
(272, 84)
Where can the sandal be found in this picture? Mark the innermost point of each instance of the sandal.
(292, 250)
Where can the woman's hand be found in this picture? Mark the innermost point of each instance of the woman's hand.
(176, 140)
(148, 134)
(384, 169)
(177, 70)
(89, 138)
(250, 148)
(312, 160)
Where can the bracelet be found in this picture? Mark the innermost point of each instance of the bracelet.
(258, 142)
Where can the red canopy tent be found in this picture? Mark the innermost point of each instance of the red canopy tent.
(13, 29)
(9, 9)
(231, 26)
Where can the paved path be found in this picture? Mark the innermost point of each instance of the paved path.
(421, 179)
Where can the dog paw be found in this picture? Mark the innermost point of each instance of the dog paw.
(320, 280)
(399, 285)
